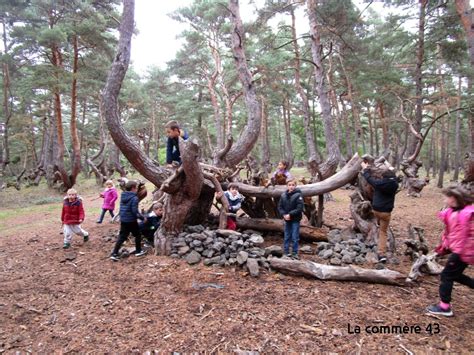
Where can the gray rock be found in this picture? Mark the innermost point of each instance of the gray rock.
(208, 241)
(182, 235)
(195, 229)
(263, 263)
(233, 255)
(347, 259)
(218, 246)
(334, 236)
(335, 261)
(199, 249)
(198, 236)
(242, 257)
(193, 258)
(209, 234)
(222, 260)
(188, 239)
(174, 256)
(212, 261)
(196, 243)
(208, 253)
(356, 248)
(274, 250)
(228, 233)
(250, 232)
(326, 254)
(252, 266)
(183, 250)
(257, 252)
(323, 245)
(337, 248)
(306, 249)
(179, 242)
(359, 260)
(337, 256)
(256, 239)
(232, 261)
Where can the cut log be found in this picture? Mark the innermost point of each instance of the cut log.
(346, 175)
(337, 273)
(308, 233)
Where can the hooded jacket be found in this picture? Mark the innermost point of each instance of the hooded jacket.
(385, 190)
(129, 207)
(458, 237)
(292, 204)
(73, 212)
(110, 196)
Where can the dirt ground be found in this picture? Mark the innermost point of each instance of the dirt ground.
(93, 305)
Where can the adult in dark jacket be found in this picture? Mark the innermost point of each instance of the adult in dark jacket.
(385, 190)
(128, 220)
(291, 210)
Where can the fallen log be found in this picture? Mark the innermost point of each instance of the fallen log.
(308, 233)
(425, 264)
(337, 273)
(347, 174)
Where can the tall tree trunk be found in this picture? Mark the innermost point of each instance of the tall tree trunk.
(359, 136)
(467, 19)
(443, 158)
(329, 167)
(310, 141)
(457, 136)
(264, 136)
(5, 153)
(372, 127)
(250, 134)
(420, 56)
(143, 164)
(347, 130)
(76, 145)
(289, 156)
(211, 85)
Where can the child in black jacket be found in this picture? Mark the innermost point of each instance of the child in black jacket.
(291, 209)
(151, 223)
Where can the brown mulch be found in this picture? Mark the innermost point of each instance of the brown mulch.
(80, 301)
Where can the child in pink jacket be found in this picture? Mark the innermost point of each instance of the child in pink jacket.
(110, 196)
(457, 239)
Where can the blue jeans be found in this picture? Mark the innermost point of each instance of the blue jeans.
(292, 233)
(102, 215)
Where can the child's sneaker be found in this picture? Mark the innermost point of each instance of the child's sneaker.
(382, 259)
(66, 245)
(114, 257)
(295, 256)
(139, 253)
(86, 237)
(436, 309)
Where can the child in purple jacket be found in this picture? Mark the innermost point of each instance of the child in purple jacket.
(110, 196)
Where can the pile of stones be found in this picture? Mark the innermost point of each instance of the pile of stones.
(346, 247)
(224, 247)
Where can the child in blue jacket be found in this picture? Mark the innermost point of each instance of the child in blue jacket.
(128, 220)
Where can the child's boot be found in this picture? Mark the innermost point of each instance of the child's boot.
(66, 245)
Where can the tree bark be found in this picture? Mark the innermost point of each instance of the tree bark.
(310, 142)
(143, 164)
(180, 197)
(329, 167)
(337, 273)
(308, 233)
(264, 139)
(5, 153)
(250, 134)
(289, 156)
(420, 57)
(76, 145)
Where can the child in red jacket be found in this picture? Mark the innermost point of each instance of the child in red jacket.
(72, 216)
(457, 239)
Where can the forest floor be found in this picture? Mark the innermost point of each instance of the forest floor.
(91, 304)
